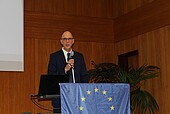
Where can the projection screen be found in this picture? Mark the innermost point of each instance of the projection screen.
(11, 35)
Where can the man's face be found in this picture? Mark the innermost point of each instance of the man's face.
(67, 41)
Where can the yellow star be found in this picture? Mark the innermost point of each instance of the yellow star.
(81, 108)
(83, 99)
(104, 92)
(96, 90)
(88, 92)
(110, 99)
(112, 107)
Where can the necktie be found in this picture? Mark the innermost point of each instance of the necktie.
(70, 71)
(68, 56)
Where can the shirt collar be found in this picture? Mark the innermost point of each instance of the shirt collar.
(65, 53)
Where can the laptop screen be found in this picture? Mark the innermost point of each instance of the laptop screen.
(49, 84)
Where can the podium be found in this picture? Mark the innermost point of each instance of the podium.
(95, 98)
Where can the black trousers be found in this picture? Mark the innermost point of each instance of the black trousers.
(56, 103)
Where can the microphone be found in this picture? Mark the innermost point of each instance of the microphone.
(71, 55)
(72, 69)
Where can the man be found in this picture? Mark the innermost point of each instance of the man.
(72, 64)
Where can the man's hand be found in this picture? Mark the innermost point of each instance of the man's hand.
(70, 64)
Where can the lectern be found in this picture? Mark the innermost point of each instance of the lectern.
(96, 98)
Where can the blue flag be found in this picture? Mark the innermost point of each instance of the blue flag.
(99, 98)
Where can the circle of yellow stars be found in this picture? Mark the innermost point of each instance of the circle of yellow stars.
(104, 92)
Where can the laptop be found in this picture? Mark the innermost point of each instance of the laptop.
(49, 85)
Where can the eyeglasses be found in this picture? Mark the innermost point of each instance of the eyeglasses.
(69, 39)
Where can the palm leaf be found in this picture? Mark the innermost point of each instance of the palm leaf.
(104, 72)
(143, 73)
(144, 101)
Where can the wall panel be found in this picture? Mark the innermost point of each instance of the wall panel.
(87, 8)
(144, 19)
(153, 49)
(48, 26)
(121, 7)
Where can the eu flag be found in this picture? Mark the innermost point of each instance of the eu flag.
(99, 98)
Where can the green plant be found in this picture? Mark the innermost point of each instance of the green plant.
(112, 73)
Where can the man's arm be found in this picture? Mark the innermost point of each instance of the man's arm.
(52, 65)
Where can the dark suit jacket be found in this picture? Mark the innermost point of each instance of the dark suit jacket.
(57, 64)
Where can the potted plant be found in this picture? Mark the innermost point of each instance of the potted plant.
(141, 100)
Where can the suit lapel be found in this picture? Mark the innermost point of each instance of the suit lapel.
(62, 57)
